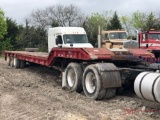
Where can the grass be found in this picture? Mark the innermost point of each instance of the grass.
(1, 56)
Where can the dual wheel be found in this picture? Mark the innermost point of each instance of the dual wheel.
(15, 62)
(90, 82)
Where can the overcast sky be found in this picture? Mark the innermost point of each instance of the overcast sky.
(20, 9)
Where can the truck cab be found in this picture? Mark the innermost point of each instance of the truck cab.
(150, 40)
(117, 39)
(73, 37)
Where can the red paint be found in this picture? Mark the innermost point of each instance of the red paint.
(72, 53)
(153, 44)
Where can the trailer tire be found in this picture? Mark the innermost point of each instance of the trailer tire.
(74, 75)
(110, 93)
(8, 60)
(22, 63)
(92, 83)
(16, 62)
(12, 61)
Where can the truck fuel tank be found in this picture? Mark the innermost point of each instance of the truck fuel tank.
(147, 86)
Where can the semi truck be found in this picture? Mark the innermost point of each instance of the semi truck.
(99, 72)
(150, 40)
(116, 39)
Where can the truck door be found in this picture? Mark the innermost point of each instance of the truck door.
(59, 41)
(144, 40)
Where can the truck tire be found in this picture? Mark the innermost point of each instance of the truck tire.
(110, 93)
(119, 91)
(22, 63)
(8, 60)
(74, 77)
(12, 61)
(16, 62)
(92, 83)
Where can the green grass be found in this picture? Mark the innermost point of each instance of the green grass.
(1, 56)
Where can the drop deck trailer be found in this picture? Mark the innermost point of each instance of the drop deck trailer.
(99, 72)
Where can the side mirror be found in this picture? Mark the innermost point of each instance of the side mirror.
(57, 40)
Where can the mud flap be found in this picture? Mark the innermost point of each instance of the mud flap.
(64, 82)
(110, 75)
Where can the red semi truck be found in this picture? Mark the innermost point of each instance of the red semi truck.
(99, 72)
(150, 40)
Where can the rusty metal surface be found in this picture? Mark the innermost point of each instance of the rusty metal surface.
(99, 53)
(110, 75)
(37, 54)
(140, 52)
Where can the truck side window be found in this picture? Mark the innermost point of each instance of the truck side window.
(60, 39)
(106, 37)
(158, 36)
(146, 36)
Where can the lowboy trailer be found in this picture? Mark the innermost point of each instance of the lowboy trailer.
(99, 72)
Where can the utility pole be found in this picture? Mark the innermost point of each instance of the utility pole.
(99, 37)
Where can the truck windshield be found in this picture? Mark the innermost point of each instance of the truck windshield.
(118, 35)
(154, 36)
(75, 38)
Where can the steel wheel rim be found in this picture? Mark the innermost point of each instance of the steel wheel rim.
(71, 77)
(14, 61)
(90, 82)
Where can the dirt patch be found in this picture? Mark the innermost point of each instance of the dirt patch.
(34, 93)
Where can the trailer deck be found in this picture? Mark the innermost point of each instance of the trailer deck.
(36, 54)
(86, 54)
(68, 53)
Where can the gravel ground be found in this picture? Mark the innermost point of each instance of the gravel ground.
(35, 93)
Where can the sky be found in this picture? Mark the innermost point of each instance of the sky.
(19, 9)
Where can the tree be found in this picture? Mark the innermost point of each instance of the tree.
(139, 20)
(93, 21)
(61, 15)
(157, 22)
(9, 41)
(127, 24)
(150, 21)
(91, 26)
(143, 21)
(35, 37)
(3, 25)
(12, 32)
(114, 23)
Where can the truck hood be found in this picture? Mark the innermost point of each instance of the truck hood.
(131, 44)
(78, 45)
(118, 40)
(126, 43)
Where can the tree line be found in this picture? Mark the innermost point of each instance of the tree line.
(33, 33)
